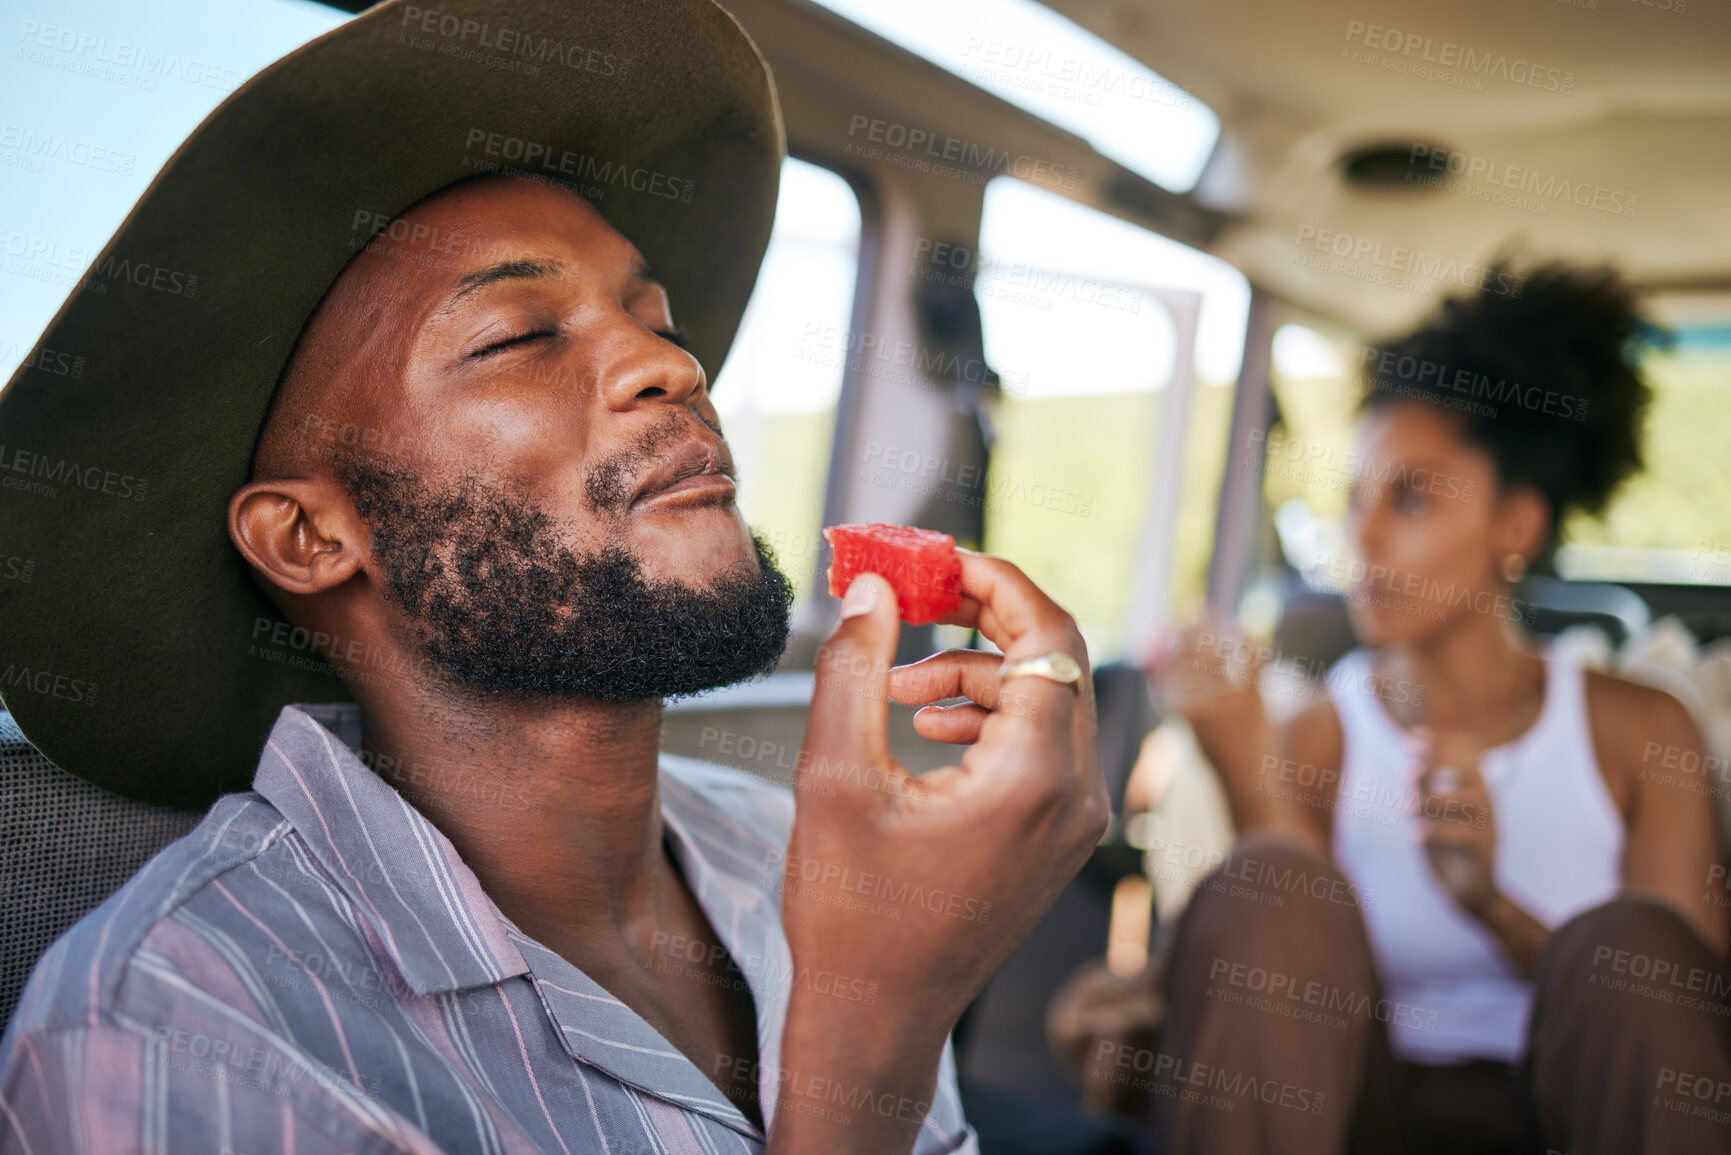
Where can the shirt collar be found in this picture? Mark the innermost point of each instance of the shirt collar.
(440, 929)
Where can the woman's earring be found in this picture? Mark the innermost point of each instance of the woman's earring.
(1514, 568)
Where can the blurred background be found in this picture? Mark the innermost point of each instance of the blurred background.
(1088, 284)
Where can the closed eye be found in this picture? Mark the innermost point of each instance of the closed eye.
(506, 343)
(676, 335)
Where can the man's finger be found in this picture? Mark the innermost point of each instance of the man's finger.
(971, 674)
(959, 724)
(849, 717)
(1011, 606)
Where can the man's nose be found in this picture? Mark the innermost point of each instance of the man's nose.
(646, 366)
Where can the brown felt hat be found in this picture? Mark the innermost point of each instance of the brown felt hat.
(138, 654)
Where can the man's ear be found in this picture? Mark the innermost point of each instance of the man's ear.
(1523, 523)
(300, 535)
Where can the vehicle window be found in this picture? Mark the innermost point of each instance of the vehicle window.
(1076, 328)
(96, 96)
(1656, 530)
(1662, 526)
(777, 393)
(1307, 452)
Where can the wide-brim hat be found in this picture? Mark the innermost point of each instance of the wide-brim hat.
(135, 651)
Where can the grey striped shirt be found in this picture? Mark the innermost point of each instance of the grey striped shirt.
(313, 969)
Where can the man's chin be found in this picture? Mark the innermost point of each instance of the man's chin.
(500, 603)
(622, 637)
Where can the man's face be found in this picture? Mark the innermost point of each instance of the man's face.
(550, 499)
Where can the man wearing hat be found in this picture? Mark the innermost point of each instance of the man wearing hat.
(430, 513)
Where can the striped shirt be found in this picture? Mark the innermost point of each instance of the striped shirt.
(313, 969)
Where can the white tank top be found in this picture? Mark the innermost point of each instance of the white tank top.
(1451, 996)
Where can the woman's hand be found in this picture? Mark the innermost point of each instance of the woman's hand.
(1210, 674)
(1458, 825)
(1455, 818)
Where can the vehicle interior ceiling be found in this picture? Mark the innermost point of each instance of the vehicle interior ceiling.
(1649, 116)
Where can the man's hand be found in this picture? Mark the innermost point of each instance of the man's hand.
(924, 886)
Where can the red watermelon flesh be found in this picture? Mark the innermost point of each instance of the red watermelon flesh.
(920, 563)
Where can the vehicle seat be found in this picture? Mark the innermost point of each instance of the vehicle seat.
(65, 845)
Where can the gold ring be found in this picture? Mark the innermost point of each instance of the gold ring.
(1056, 666)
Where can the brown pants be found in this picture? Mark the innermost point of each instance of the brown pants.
(1276, 1041)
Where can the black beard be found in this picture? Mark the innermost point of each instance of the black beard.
(499, 604)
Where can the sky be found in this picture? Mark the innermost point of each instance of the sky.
(95, 95)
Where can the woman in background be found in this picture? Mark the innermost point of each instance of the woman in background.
(1469, 909)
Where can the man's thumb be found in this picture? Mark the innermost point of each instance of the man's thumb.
(849, 719)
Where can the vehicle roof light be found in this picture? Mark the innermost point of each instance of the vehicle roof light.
(1029, 55)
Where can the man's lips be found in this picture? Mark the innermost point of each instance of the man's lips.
(698, 469)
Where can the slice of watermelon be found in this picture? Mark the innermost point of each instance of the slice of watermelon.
(920, 563)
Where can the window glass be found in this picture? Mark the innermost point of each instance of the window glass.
(1666, 524)
(777, 393)
(1307, 454)
(1085, 347)
(1656, 530)
(96, 95)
